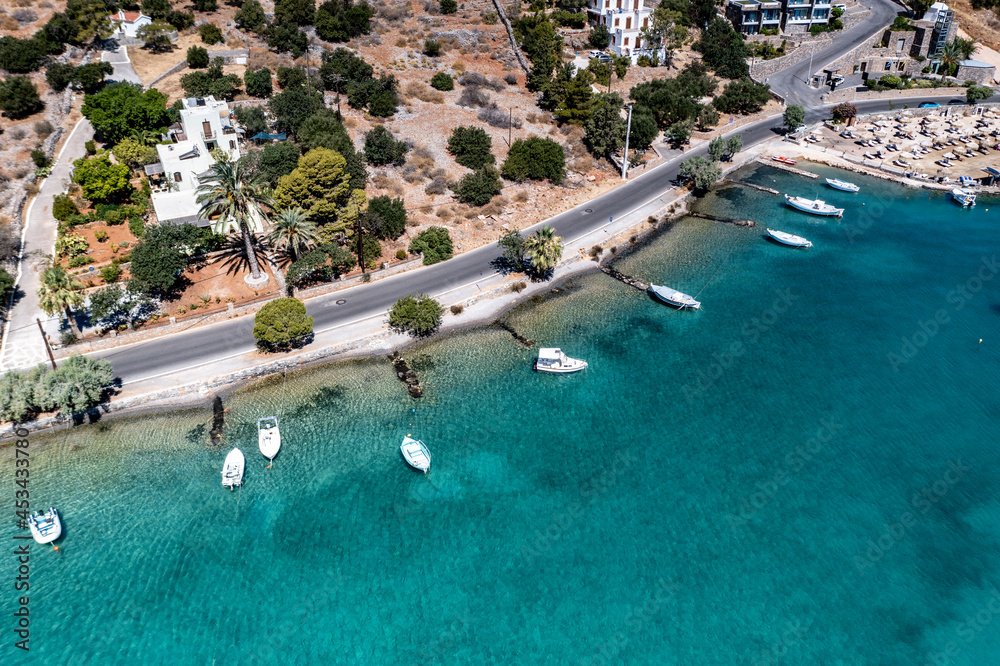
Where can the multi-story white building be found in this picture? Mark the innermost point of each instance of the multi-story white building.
(801, 15)
(205, 125)
(127, 24)
(625, 20)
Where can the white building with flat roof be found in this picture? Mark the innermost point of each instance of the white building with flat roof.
(205, 125)
(625, 20)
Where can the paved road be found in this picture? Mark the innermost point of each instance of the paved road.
(791, 82)
(201, 345)
(123, 66)
(22, 344)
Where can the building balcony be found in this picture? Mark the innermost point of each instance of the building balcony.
(208, 136)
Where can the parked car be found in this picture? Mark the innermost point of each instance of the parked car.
(600, 55)
(929, 105)
(952, 102)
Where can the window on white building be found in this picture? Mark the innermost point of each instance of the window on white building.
(628, 23)
(177, 177)
(616, 22)
(625, 43)
(888, 66)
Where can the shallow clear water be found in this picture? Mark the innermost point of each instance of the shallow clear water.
(757, 482)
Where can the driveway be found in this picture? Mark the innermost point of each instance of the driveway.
(123, 66)
(22, 343)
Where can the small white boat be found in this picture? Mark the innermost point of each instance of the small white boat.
(964, 197)
(232, 469)
(268, 436)
(788, 239)
(673, 297)
(553, 360)
(45, 527)
(416, 454)
(842, 185)
(814, 206)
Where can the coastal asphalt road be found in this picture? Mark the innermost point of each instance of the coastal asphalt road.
(205, 344)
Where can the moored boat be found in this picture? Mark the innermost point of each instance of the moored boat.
(45, 527)
(553, 360)
(788, 239)
(268, 436)
(814, 206)
(842, 185)
(232, 469)
(964, 197)
(783, 160)
(673, 297)
(416, 454)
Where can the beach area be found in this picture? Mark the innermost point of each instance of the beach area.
(801, 471)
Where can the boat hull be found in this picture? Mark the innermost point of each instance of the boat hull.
(233, 468)
(268, 437)
(416, 454)
(790, 240)
(45, 528)
(559, 371)
(675, 299)
(812, 210)
(842, 186)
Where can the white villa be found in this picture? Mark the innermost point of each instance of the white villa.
(625, 20)
(204, 126)
(128, 23)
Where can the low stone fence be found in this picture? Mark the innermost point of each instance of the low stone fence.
(852, 95)
(736, 124)
(761, 69)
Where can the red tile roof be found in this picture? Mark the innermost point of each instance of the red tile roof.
(128, 17)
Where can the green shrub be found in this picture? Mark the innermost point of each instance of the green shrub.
(281, 322)
(536, 159)
(381, 148)
(471, 147)
(111, 273)
(71, 245)
(197, 57)
(90, 147)
(101, 235)
(137, 227)
(417, 315)
(81, 260)
(401, 254)
(386, 217)
(432, 48)
(491, 18)
(480, 186)
(434, 243)
(449, 6)
(63, 207)
(7, 284)
(442, 81)
(210, 33)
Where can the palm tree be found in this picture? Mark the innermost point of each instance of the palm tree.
(967, 47)
(145, 137)
(235, 197)
(950, 55)
(60, 291)
(293, 230)
(544, 249)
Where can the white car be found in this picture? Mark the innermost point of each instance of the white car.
(599, 55)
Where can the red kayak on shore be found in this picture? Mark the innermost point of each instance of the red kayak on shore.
(783, 160)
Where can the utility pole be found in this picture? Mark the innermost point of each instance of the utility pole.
(52, 359)
(628, 129)
(810, 72)
(361, 246)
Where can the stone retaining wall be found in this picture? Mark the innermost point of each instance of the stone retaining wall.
(229, 56)
(851, 95)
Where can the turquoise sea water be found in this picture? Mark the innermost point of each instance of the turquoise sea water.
(803, 472)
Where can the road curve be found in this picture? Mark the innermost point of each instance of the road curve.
(204, 344)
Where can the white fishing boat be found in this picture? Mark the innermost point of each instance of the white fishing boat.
(552, 359)
(788, 239)
(232, 469)
(673, 297)
(45, 527)
(964, 197)
(268, 436)
(416, 454)
(842, 185)
(814, 206)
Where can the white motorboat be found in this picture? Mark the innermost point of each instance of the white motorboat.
(553, 360)
(814, 206)
(45, 527)
(842, 185)
(268, 436)
(416, 454)
(964, 197)
(232, 469)
(788, 239)
(673, 297)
